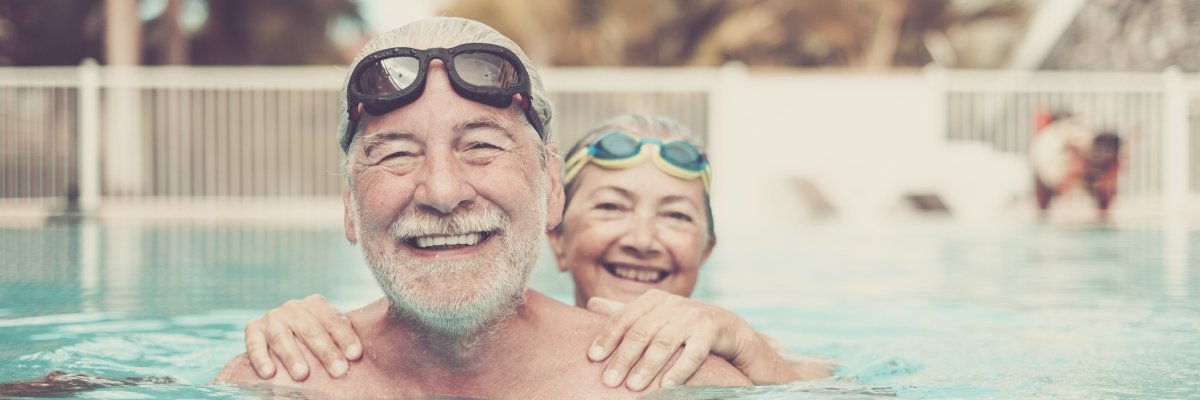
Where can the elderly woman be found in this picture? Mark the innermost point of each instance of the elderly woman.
(636, 229)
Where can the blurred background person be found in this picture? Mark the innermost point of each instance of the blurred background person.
(1068, 155)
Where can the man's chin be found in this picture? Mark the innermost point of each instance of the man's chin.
(458, 313)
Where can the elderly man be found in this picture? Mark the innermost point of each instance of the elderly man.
(451, 189)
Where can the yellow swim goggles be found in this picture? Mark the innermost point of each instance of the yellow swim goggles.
(621, 150)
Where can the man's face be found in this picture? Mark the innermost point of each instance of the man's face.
(449, 200)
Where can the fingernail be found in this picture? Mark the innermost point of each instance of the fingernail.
(264, 371)
(634, 381)
(595, 353)
(668, 383)
(611, 379)
(339, 368)
(353, 351)
(300, 369)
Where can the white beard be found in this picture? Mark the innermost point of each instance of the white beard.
(460, 298)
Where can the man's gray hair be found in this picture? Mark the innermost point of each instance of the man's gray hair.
(448, 32)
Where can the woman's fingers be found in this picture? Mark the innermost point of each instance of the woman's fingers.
(633, 344)
(283, 345)
(695, 351)
(256, 350)
(313, 333)
(604, 306)
(616, 327)
(337, 324)
(664, 345)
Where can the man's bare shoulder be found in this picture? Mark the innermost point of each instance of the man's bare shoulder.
(575, 328)
(239, 370)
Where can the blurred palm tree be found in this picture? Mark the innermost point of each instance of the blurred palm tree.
(50, 32)
(235, 32)
(871, 33)
(273, 32)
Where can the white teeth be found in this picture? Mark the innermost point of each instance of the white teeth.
(636, 274)
(469, 239)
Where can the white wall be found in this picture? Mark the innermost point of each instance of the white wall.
(860, 138)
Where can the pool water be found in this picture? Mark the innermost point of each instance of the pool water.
(919, 309)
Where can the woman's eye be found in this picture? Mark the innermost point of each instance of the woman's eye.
(608, 206)
(679, 216)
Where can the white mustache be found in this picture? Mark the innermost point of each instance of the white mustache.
(481, 217)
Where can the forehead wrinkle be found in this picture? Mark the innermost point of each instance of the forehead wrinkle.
(486, 122)
(619, 190)
(375, 139)
(679, 199)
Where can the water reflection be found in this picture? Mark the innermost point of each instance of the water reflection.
(169, 270)
(910, 311)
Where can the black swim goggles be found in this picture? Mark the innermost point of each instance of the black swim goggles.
(392, 78)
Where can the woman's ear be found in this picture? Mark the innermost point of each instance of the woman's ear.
(712, 243)
(555, 237)
(555, 198)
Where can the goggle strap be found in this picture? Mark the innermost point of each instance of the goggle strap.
(574, 165)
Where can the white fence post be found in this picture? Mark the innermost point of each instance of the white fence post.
(88, 123)
(1175, 144)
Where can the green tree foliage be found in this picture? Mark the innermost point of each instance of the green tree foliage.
(235, 32)
(757, 32)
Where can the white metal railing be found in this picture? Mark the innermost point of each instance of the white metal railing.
(193, 133)
(1148, 111)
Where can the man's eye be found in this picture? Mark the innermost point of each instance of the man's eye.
(396, 155)
(482, 145)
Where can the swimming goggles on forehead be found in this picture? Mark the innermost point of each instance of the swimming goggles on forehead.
(388, 79)
(620, 150)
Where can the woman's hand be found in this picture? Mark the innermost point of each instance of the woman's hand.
(328, 334)
(642, 336)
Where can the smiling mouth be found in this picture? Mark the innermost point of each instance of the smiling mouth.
(447, 242)
(637, 274)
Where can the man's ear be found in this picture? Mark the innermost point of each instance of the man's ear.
(555, 198)
(348, 216)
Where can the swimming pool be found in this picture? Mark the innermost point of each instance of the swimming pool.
(919, 309)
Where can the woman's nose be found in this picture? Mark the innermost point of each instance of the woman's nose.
(641, 240)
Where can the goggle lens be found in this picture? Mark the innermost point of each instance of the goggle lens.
(486, 70)
(683, 155)
(389, 75)
(616, 146)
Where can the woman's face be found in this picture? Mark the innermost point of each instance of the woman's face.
(627, 231)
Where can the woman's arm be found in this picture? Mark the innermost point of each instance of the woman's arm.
(638, 341)
(643, 335)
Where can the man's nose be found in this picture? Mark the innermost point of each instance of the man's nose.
(445, 187)
(641, 240)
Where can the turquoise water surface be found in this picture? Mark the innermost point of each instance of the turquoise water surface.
(923, 309)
